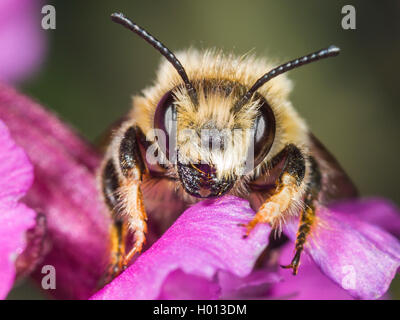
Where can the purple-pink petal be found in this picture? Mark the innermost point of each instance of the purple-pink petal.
(64, 191)
(377, 211)
(205, 240)
(309, 284)
(16, 172)
(22, 40)
(257, 285)
(14, 222)
(360, 257)
(16, 177)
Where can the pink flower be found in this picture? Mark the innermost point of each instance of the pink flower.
(22, 40)
(16, 174)
(188, 260)
(353, 250)
(358, 255)
(64, 189)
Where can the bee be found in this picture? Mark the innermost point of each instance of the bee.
(159, 161)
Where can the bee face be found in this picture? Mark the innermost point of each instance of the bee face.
(214, 141)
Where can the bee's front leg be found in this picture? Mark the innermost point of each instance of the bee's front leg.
(121, 179)
(290, 186)
(307, 215)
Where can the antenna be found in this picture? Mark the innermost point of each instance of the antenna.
(122, 20)
(331, 51)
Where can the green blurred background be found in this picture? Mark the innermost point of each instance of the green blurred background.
(93, 68)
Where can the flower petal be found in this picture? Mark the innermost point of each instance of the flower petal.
(360, 257)
(65, 191)
(22, 40)
(376, 211)
(16, 175)
(179, 285)
(309, 284)
(14, 222)
(16, 172)
(204, 240)
(256, 285)
(34, 251)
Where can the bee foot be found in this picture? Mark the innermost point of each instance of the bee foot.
(293, 267)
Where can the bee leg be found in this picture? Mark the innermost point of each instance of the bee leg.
(110, 184)
(307, 215)
(124, 199)
(287, 188)
(131, 206)
(306, 221)
(117, 237)
(136, 220)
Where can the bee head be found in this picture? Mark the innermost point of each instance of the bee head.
(212, 141)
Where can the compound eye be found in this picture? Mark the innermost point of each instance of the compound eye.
(264, 133)
(165, 118)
